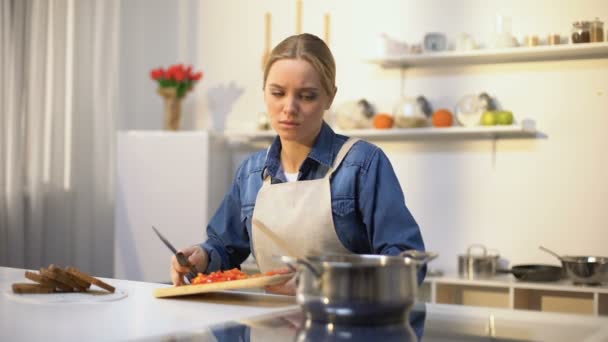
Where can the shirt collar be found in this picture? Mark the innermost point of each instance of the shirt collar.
(322, 151)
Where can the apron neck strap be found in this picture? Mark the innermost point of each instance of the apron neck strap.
(341, 154)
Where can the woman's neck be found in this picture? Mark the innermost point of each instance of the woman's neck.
(293, 155)
(294, 152)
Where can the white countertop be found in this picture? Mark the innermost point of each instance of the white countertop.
(137, 316)
(140, 316)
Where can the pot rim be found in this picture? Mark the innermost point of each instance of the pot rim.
(357, 260)
(584, 259)
(479, 257)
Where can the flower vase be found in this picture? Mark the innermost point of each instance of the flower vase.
(173, 105)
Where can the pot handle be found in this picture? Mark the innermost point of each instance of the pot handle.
(291, 261)
(419, 257)
(477, 245)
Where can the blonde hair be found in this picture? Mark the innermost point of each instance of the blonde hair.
(312, 49)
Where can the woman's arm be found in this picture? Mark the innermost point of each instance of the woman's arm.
(389, 223)
(227, 238)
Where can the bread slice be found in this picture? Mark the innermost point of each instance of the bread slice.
(32, 288)
(62, 284)
(85, 277)
(42, 280)
(81, 282)
(63, 277)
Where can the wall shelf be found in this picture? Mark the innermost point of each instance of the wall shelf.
(505, 291)
(491, 56)
(525, 130)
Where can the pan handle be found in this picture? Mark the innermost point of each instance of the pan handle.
(551, 252)
(291, 261)
(419, 257)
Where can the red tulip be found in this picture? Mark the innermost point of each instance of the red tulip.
(197, 76)
(155, 74)
(179, 75)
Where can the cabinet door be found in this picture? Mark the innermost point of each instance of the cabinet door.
(173, 181)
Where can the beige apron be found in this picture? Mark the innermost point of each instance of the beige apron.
(299, 214)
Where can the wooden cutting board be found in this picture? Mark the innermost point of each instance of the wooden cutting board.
(187, 290)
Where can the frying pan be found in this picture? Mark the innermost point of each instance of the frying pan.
(535, 272)
(587, 270)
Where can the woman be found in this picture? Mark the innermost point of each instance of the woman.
(317, 191)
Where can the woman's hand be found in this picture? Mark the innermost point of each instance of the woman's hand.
(286, 288)
(196, 256)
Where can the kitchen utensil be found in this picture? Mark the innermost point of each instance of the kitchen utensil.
(586, 270)
(358, 289)
(535, 272)
(531, 40)
(435, 42)
(503, 37)
(472, 265)
(597, 31)
(181, 258)
(267, 30)
(176, 291)
(470, 109)
(412, 112)
(551, 252)
(355, 114)
(581, 32)
(465, 42)
(554, 39)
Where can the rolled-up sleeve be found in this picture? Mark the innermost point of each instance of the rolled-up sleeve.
(390, 226)
(227, 238)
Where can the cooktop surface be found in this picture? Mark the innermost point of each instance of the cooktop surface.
(426, 322)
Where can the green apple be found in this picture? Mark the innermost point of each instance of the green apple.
(488, 118)
(504, 117)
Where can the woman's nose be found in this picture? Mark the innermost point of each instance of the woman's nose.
(290, 106)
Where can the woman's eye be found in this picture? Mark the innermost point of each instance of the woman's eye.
(309, 97)
(276, 94)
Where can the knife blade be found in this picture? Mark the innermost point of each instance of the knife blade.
(181, 258)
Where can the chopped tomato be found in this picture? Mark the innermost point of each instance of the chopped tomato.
(278, 271)
(233, 274)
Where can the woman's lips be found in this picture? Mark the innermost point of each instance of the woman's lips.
(289, 124)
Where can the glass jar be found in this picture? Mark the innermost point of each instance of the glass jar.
(581, 32)
(597, 31)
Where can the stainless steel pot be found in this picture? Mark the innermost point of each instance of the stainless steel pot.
(586, 270)
(475, 265)
(358, 289)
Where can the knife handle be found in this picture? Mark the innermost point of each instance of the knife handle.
(183, 261)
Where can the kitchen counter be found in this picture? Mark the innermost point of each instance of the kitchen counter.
(260, 317)
(139, 315)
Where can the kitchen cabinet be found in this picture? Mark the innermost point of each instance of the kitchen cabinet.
(504, 291)
(171, 180)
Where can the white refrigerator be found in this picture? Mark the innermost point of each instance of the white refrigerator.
(171, 180)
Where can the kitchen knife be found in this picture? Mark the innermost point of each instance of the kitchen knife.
(181, 258)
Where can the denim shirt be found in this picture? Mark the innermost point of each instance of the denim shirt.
(369, 211)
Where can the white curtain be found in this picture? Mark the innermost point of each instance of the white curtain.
(59, 72)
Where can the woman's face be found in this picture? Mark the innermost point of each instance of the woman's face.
(295, 100)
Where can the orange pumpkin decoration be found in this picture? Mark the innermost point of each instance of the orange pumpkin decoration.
(443, 118)
(383, 121)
